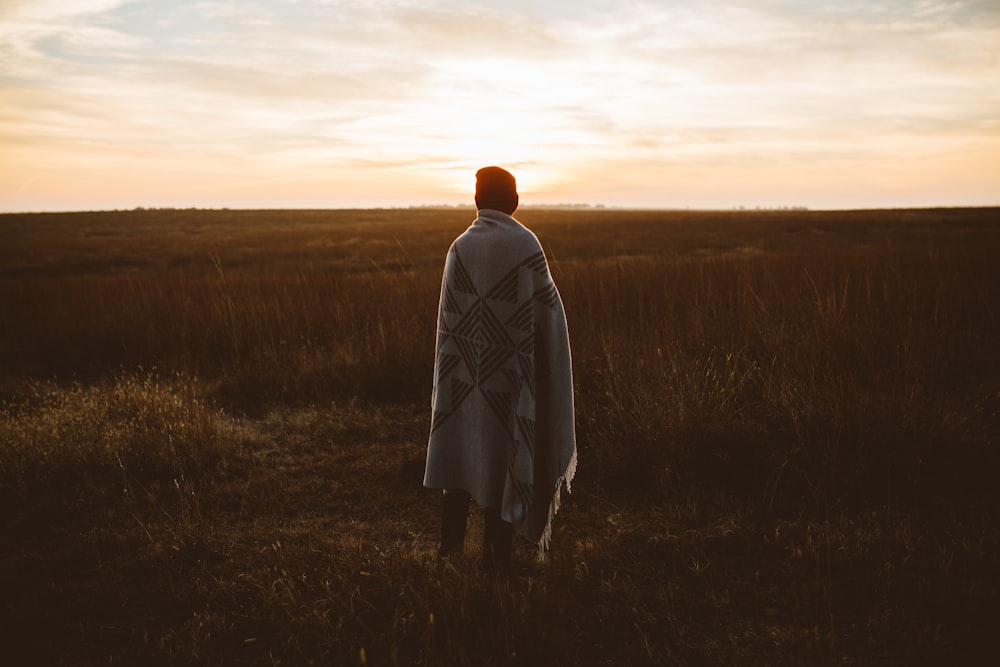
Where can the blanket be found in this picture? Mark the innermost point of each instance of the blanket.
(502, 425)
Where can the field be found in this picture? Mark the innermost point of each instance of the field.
(213, 426)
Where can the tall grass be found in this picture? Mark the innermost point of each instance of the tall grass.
(788, 426)
(267, 338)
(840, 378)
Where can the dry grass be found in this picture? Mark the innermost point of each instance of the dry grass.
(788, 425)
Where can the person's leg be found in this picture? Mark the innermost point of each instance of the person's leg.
(498, 541)
(454, 517)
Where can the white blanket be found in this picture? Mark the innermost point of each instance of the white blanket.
(503, 420)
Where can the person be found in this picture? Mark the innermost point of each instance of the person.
(502, 426)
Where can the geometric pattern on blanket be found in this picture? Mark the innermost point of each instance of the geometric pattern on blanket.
(476, 350)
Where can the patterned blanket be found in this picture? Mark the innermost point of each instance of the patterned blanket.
(502, 426)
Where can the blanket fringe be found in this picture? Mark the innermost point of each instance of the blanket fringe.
(567, 477)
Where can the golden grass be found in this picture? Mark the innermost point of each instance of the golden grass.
(67, 445)
(787, 421)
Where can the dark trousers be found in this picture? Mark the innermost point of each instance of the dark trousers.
(498, 535)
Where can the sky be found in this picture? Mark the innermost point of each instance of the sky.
(116, 104)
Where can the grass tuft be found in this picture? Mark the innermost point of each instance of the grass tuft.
(78, 447)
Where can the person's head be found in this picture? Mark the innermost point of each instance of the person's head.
(496, 189)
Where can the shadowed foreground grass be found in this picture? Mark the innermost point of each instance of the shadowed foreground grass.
(788, 432)
(306, 537)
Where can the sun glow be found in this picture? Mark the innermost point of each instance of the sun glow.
(510, 113)
(533, 180)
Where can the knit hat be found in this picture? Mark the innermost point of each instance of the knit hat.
(494, 184)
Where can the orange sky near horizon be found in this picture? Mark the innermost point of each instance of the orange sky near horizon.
(655, 103)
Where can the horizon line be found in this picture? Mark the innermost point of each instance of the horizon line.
(740, 208)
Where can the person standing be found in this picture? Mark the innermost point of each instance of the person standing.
(502, 426)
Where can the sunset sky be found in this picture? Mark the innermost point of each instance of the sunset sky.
(651, 103)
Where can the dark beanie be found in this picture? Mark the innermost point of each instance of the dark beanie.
(494, 184)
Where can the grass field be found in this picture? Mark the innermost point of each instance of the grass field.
(213, 426)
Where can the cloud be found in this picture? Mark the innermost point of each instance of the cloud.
(54, 10)
(321, 84)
